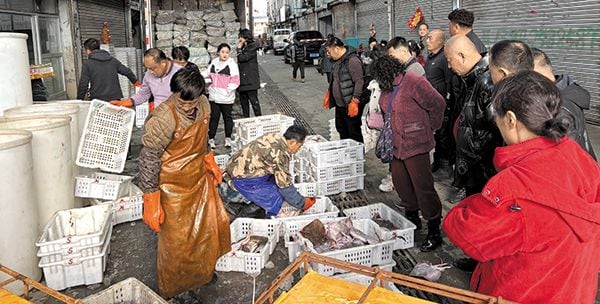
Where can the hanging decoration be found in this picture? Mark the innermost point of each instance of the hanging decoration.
(415, 19)
(372, 30)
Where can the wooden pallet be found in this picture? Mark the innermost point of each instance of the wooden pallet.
(301, 264)
(29, 284)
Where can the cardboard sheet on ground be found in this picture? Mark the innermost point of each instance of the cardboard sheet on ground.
(314, 288)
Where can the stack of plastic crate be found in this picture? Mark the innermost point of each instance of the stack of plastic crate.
(249, 129)
(331, 167)
(128, 206)
(74, 246)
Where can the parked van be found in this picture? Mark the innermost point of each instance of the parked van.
(278, 36)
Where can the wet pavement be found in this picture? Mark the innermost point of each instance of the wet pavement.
(133, 245)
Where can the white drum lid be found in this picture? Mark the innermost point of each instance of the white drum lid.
(10, 138)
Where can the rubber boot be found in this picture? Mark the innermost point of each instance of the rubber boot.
(443, 172)
(413, 216)
(434, 237)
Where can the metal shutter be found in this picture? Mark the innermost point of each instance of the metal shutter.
(568, 31)
(375, 12)
(93, 13)
(435, 14)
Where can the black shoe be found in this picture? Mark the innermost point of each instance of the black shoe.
(457, 195)
(413, 216)
(434, 237)
(465, 264)
(443, 173)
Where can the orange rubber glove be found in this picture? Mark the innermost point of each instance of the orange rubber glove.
(213, 168)
(310, 201)
(326, 100)
(353, 107)
(153, 211)
(125, 102)
(137, 84)
(151, 106)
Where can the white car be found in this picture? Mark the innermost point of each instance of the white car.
(278, 36)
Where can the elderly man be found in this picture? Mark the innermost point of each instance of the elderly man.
(260, 171)
(156, 80)
(440, 77)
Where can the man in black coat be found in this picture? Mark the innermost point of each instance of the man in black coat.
(440, 77)
(101, 73)
(249, 77)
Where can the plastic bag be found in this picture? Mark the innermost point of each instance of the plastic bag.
(429, 272)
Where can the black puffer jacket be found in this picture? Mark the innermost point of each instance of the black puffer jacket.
(101, 71)
(248, 64)
(347, 78)
(575, 99)
(477, 136)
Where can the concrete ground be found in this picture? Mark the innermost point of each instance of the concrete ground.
(133, 245)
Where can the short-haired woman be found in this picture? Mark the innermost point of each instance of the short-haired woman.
(535, 227)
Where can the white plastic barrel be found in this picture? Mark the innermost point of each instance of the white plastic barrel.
(51, 109)
(52, 163)
(15, 82)
(18, 209)
(84, 108)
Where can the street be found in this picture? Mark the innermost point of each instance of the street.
(133, 245)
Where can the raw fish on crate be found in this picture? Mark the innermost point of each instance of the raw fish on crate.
(250, 244)
(335, 235)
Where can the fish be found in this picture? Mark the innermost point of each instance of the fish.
(251, 243)
(335, 235)
(383, 223)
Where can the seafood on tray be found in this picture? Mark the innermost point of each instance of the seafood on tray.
(250, 244)
(336, 235)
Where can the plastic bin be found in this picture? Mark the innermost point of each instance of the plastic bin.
(244, 261)
(335, 152)
(76, 270)
(366, 255)
(331, 187)
(222, 160)
(102, 186)
(251, 128)
(105, 140)
(125, 209)
(336, 171)
(141, 112)
(127, 291)
(80, 231)
(322, 209)
(404, 235)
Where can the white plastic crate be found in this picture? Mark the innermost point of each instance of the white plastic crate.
(106, 135)
(331, 187)
(102, 186)
(366, 255)
(222, 160)
(335, 152)
(244, 261)
(335, 172)
(76, 270)
(251, 128)
(366, 280)
(290, 229)
(80, 231)
(322, 209)
(141, 112)
(128, 291)
(125, 209)
(404, 235)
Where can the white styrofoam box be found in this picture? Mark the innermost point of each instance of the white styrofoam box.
(322, 209)
(125, 209)
(366, 255)
(76, 270)
(245, 261)
(106, 136)
(335, 152)
(254, 127)
(331, 187)
(141, 112)
(75, 231)
(102, 186)
(335, 172)
(404, 234)
(366, 280)
(222, 160)
(127, 291)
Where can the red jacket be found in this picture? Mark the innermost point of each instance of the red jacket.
(535, 227)
(418, 111)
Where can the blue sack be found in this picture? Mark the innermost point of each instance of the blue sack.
(261, 190)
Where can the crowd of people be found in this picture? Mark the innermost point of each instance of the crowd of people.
(507, 133)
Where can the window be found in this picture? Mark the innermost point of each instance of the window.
(51, 52)
(308, 35)
(46, 6)
(19, 24)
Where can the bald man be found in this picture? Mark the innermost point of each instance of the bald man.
(440, 77)
(477, 135)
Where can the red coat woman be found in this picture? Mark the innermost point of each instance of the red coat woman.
(535, 227)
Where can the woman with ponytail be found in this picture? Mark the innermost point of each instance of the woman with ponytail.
(535, 227)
